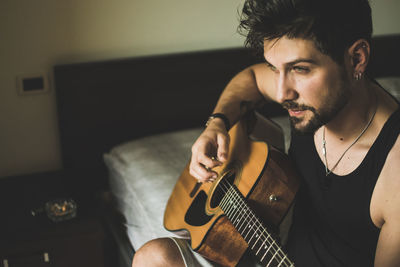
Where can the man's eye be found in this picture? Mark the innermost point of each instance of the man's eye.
(300, 69)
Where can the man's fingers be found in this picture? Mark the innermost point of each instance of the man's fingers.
(210, 150)
(200, 172)
(223, 147)
(209, 162)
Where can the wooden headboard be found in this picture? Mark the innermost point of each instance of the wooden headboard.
(102, 104)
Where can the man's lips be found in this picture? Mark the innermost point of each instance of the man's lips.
(296, 112)
(296, 109)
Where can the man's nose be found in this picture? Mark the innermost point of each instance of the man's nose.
(285, 88)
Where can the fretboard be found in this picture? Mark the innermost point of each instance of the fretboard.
(260, 241)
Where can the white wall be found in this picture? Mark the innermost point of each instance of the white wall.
(36, 35)
(386, 16)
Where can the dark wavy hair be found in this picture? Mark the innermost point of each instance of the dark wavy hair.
(333, 25)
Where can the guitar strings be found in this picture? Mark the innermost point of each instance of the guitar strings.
(237, 214)
(236, 217)
(229, 192)
(278, 252)
(259, 235)
(283, 259)
(257, 231)
(234, 197)
(272, 245)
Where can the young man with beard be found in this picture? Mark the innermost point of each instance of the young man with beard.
(345, 132)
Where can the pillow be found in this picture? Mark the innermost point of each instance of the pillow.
(142, 174)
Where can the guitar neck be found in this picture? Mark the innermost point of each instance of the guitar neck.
(260, 241)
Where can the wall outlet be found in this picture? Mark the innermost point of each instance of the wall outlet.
(34, 83)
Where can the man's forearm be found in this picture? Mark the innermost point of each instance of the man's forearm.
(240, 94)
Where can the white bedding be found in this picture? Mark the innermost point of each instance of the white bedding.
(142, 175)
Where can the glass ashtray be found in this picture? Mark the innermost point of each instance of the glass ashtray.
(60, 209)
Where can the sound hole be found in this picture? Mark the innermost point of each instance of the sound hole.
(222, 187)
(196, 215)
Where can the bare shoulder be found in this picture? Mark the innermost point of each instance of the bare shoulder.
(388, 197)
(387, 189)
(391, 170)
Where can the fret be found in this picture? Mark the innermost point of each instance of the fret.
(237, 207)
(257, 233)
(272, 258)
(233, 212)
(266, 252)
(253, 228)
(243, 224)
(262, 245)
(236, 222)
(255, 243)
(271, 253)
(256, 238)
(250, 230)
(283, 260)
(259, 243)
(239, 220)
(238, 215)
(265, 246)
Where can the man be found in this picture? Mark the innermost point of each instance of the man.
(345, 129)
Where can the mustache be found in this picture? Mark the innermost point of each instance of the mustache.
(288, 104)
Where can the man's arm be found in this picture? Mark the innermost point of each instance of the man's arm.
(249, 86)
(245, 87)
(388, 248)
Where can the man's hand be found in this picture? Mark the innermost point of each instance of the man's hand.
(209, 150)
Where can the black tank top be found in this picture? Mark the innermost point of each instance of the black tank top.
(331, 221)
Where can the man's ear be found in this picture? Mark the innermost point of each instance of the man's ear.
(359, 56)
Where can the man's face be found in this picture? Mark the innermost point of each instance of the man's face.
(309, 84)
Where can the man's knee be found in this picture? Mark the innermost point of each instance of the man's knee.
(158, 252)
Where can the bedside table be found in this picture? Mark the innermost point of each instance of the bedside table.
(27, 240)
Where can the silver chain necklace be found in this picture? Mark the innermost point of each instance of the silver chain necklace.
(327, 171)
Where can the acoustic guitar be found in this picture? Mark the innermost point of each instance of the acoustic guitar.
(242, 208)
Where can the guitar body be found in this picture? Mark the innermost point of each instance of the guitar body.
(262, 174)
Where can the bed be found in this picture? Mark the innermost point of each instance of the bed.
(127, 125)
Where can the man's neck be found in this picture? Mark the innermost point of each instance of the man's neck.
(355, 115)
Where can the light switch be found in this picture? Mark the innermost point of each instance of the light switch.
(35, 83)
